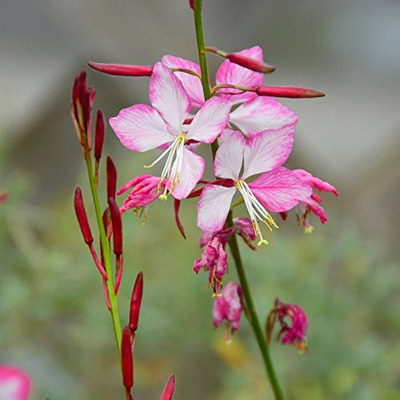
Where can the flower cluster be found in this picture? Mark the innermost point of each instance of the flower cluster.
(252, 135)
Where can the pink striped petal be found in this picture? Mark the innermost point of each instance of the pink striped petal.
(14, 384)
(267, 150)
(261, 114)
(316, 209)
(280, 189)
(234, 74)
(191, 172)
(210, 121)
(140, 128)
(315, 182)
(168, 97)
(191, 83)
(213, 207)
(229, 157)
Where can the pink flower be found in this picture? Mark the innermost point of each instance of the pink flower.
(14, 384)
(228, 307)
(276, 189)
(256, 114)
(215, 260)
(141, 128)
(293, 332)
(312, 203)
(145, 189)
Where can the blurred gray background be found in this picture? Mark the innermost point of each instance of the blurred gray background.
(348, 49)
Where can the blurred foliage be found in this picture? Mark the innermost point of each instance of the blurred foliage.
(54, 323)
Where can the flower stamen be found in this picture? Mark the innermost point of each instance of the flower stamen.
(256, 211)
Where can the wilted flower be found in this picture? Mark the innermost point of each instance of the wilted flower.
(214, 260)
(228, 308)
(293, 322)
(311, 204)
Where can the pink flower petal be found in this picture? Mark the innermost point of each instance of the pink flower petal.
(191, 172)
(14, 384)
(210, 121)
(191, 83)
(280, 189)
(213, 207)
(229, 157)
(168, 97)
(261, 114)
(234, 74)
(140, 128)
(267, 150)
(315, 182)
(316, 209)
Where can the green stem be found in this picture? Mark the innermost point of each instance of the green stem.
(106, 252)
(233, 245)
(252, 314)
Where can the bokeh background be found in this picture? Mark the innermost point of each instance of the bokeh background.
(345, 275)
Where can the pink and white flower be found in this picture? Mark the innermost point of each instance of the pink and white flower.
(14, 384)
(142, 127)
(228, 307)
(277, 189)
(255, 114)
(312, 204)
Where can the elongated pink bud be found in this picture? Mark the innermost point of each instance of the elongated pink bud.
(82, 217)
(116, 226)
(99, 136)
(111, 178)
(136, 301)
(250, 63)
(127, 359)
(191, 4)
(288, 91)
(122, 69)
(169, 389)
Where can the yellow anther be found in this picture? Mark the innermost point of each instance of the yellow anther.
(148, 166)
(262, 241)
(309, 229)
(163, 197)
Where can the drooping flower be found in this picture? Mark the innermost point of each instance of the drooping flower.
(14, 384)
(214, 260)
(312, 204)
(228, 308)
(141, 128)
(254, 114)
(293, 322)
(277, 189)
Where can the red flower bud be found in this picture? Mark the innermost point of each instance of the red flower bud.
(127, 359)
(169, 389)
(191, 4)
(122, 69)
(82, 217)
(99, 138)
(111, 178)
(136, 301)
(116, 226)
(250, 63)
(288, 91)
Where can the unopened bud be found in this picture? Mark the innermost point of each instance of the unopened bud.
(169, 389)
(127, 359)
(289, 92)
(250, 63)
(116, 226)
(111, 178)
(136, 301)
(82, 217)
(122, 69)
(191, 4)
(99, 136)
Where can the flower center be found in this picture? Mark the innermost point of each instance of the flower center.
(256, 210)
(173, 165)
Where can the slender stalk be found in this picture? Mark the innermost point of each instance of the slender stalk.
(233, 244)
(106, 251)
(252, 315)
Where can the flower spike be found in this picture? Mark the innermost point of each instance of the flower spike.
(136, 301)
(169, 389)
(122, 69)
(289, 92)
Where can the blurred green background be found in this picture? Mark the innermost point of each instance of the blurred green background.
(345, 275)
